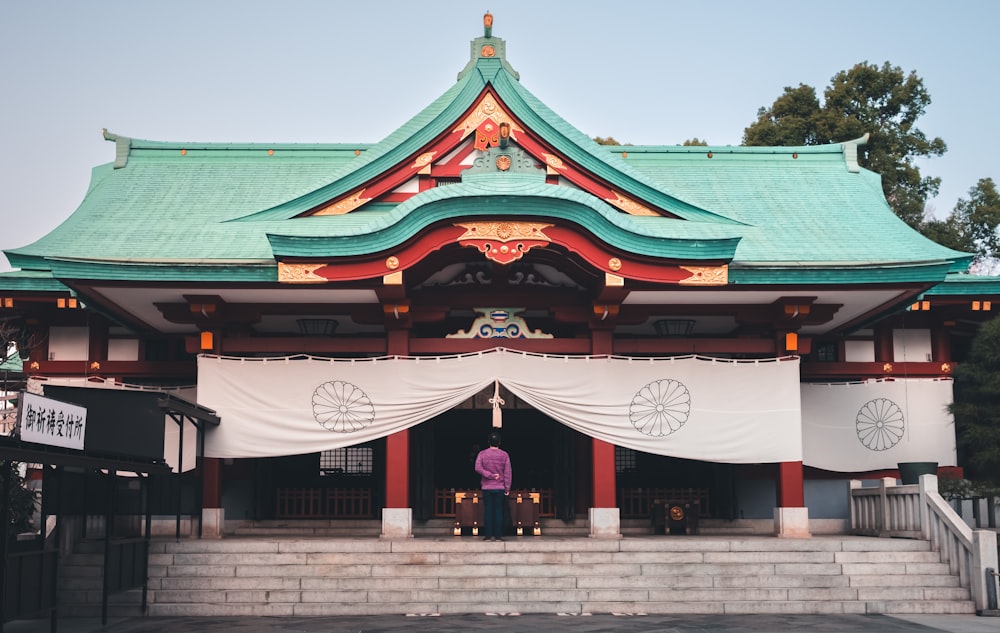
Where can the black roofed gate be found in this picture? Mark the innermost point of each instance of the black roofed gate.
(85, 440)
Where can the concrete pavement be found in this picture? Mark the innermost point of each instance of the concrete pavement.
(570, 623)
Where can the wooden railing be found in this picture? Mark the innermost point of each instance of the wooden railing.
(444, 501)
(918, 511)
(637, 503)
(320, 503)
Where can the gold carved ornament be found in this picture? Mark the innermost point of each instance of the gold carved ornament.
(630, 206)
(706, 275)
(554, 162)
(344, 205)
(503, 242)
(299, 273)
(486, 110)
(422, 161)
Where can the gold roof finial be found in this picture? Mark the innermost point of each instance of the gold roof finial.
(488, 24)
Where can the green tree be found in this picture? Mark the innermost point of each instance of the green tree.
(695, 142)
(882, 101)
(606, 140)
(791, 120)
(977, 219)
(977, 405)
(946, 232)
(21, 501)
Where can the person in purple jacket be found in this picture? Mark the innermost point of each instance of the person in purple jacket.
(493, 466)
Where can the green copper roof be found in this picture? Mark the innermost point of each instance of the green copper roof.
(12, 364)
(966, 285)
(211, 211)
(516, 196)
(31, 281)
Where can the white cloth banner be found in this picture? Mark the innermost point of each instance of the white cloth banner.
(856, 427)
(692, 407)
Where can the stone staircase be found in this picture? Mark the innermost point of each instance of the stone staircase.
(325, 576)
(436, 528)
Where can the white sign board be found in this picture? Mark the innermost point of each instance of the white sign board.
(51, 422)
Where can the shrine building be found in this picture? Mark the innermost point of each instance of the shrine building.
(741, 328)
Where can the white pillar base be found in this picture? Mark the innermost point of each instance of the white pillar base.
(397, 523)
(605, 523)
(212, 520)
(791, 522)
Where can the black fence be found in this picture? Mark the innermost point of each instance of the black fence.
(30, 587)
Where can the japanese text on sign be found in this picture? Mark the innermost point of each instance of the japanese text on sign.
(51, 422)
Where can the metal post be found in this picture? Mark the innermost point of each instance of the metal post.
(5, 516)
(108, 532)
(180, 474)
(57, 540)
(146, 480)
(991, 589)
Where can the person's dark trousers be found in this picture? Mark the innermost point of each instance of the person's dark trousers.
(493, 513)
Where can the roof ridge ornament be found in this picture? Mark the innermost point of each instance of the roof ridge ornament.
(489, 48)
(122, 146)
(851, 152)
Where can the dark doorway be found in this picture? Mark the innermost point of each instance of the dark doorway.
(644, 477)
(444, 452)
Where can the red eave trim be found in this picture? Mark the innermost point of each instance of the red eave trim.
(597, 254)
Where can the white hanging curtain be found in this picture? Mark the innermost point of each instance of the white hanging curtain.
(874, 425)
(695, 408)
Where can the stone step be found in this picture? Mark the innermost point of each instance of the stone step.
(320, 609)
(311, 575)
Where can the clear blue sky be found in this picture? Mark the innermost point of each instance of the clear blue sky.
(654, 72)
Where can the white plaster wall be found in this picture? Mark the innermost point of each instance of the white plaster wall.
(859, 351)
(69, 343)
(913, 346)
(123, 349)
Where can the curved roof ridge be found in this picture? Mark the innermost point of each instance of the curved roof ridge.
(488, 67)
(668, 238)
(584, 150)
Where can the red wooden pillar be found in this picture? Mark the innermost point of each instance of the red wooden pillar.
(883, 343)
(791, 487)
(604, 474)
(603, 465)
(940, 343)
(212, 516)
(397, 445)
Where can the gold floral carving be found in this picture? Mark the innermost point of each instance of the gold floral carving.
(706, 275)
(504, 231)
(344, 205)
(488, 51)
(487, 108)
(503, 163)
(554, 162)
(423, 160)
(392, 262)
(946, 368)
(299, 273)
(614, 264)
(887, 368)
(630, 206)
